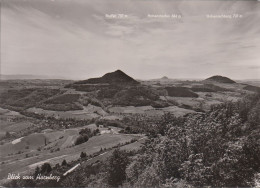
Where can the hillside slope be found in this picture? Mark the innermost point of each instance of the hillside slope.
(116, 77)
(221, 79)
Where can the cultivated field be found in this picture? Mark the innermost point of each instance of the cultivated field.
(25, 154)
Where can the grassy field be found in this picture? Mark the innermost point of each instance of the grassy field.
(31, 157)
(8, 123)
(151, 111)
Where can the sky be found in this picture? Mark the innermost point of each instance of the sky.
(76, 39)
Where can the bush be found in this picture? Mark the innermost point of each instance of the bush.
(96, 132)
(85, 131)
(7, 135)
(81, 139)
(83, 155)
(46, 168)
(36, 172)
(64, 163)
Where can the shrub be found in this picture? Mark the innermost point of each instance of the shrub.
(46, 168)
(85, 131)
(7, 135)
(81, 139)
(83, 155)
(64, 163)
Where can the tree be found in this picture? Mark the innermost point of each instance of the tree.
(81, 139)
(46, 168)
(83, 155)
(234, 168)
(96, 132)
(85, 131)
(194, 171)
(7, 135)
(149, 178)
(116, 168)
(36, 172)
(64, 163)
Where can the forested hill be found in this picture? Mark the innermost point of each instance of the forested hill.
(116, 77)
(221, 79)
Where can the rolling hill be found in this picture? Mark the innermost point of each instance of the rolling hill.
(252, 88)
(165, 78)
(116, 77)
(221, 79)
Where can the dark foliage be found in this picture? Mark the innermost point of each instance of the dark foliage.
(7, 134)
(201, 89)
(219, 148)
(36, 172)
(135, 96)
(64, 163)
(108, 92)
(83, 155)
(252, 88)
(65, 98)
(26, 98)
(46, 168)
(116, 168)
(180, 92)
(86, 131)
(61, 107)
(81, 139)
(208, 88)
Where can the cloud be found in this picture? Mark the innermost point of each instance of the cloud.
(74, 39)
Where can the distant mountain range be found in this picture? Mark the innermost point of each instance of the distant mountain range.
(117, 77)
(28, 77)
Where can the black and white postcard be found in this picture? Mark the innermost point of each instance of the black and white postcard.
(129, 93)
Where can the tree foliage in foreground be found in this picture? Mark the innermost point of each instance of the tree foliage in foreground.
(218, 148)
(116, 168)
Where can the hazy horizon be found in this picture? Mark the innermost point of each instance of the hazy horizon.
(52, 77)
(76, 40)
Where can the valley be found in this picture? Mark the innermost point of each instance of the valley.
(42, 120)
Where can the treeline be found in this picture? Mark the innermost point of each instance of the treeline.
(21, 99)
(41, 122)
(45, 98)
(64, 102)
